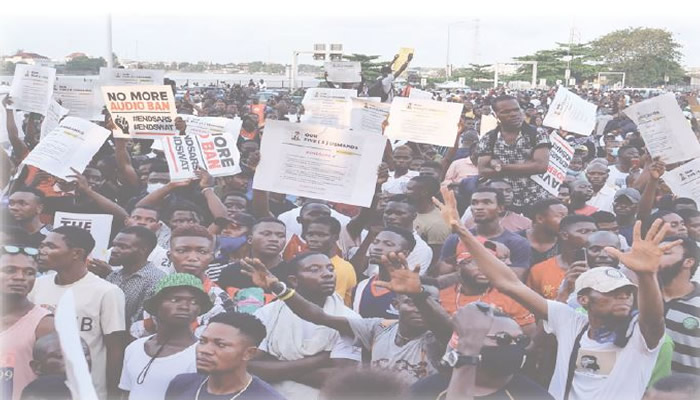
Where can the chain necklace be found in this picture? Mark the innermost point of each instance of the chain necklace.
(234, 397)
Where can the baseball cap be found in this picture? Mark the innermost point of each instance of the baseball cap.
(178, 280)
(630, 193)
(602, 279)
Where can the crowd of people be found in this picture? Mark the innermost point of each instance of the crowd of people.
(464, 278)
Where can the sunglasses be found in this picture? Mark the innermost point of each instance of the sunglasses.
(505, 339)
(30, 251)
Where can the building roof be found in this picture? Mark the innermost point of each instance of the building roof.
(25, 54)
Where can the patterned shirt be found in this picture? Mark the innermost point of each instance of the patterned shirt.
(683, 325)
(525, 190)
(137, 287)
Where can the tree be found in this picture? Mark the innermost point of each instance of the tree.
(551, 64)
(476, 75)
(85, 65)
(7, 68)
(371, 69)
(646, 55)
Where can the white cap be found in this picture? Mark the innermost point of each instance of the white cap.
(602, 279)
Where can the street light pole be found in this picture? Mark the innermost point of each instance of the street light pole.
(109, 57)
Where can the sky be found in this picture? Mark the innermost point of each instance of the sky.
(235, 31)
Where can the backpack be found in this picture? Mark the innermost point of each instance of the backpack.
(377, 90)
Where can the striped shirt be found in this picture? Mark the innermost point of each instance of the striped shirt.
(683, 325)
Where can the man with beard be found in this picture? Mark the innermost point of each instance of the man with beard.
(411, 347)
(225, 348)
(619, 340)
(603, 194)
(581, 193)
(682, 297)
(474, 286)
(25, 207)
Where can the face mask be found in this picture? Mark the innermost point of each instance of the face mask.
(502, 361)
(152, 187)
(614, 151)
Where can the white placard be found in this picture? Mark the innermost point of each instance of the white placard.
(488, 123)
(215, 152)
(213, 125)
(329, 107)
(131, 77)
(99, 226)
(72, 144)
(559, 158)
(145, 112)
(343, 71)
(571, 113)
(684, 181)
(664, 129)
(319, 162)
(77, 94)
(417, 94)
(32, 88)
(424, 121)
(79, 380)
(53, 116)
(368, 116)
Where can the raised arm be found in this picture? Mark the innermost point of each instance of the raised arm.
(499, 274)
(125, 169)
(407, 282)
(206, 182)
(646, 203)
(19, 148)
(155, 198)
(644, 258)
(105, 204)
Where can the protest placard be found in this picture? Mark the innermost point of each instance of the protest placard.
(368, 116)
(403, 57)
(78, 378)
(424, 121)
(71, 145)
(417, 94)
(32, 87)
(53, 116)
(142, 112)
(215, 152)
(488, 123)
(213, 125)
(571, 113)
(319, 162)
(343, 71)
(78, 95)
(665, 130)
(684, 181)
(329, 107)
(559, 158)
(99, 226)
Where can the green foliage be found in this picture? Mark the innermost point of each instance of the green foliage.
(371, 69)
(84, 65)
(551, 64)
(646, 55)
(7, 68)
(475, 76)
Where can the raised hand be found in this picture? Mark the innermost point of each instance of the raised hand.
(80, 180)
(471, 324)
(657, 169)
(645, 254)
(258, 273)
(7, 101)
(403, 280)
(205, 178)
(448, 210)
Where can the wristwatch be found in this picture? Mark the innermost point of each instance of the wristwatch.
(455, 360)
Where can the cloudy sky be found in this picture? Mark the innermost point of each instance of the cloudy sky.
(222, 31)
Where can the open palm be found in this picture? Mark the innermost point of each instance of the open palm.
(403, 280)
(258, 273)
(645, 254)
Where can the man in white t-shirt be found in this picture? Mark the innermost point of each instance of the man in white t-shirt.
(99, 305)
(399, 177)
(615, 348)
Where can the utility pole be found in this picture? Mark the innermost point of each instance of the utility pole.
(108, 48)
(567, 73)
(476, 41)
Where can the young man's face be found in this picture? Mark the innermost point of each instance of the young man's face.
(693, 227)
(183, 218)
(676, 225)
(624, 207)
(597, 174)
(504, 188)
(385, 243)
(125, 249)
(315, 276)
(596, 256)
(552, 218)
(312, 211)
(581, 191)
(318, 237)
(191, 254)
(54, 252)
(577, 234)
(616, 304)
(485, 207)
(402, 158)
(222, 348)
(146, 218)
(397, 214)
(268, 238)
(24, 206)
(235, 205)
(17, 275)
(178, 307)
(94, 177)
(409, 313)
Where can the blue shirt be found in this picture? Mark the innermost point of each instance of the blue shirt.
(520, 250)
(185, 386)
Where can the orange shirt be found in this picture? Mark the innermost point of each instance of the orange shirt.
(452, 298)
(587, 211)
(545, 277)
(296, 245)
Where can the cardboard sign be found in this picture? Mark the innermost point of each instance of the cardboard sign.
(142, 112)
(424, 121)
(216, 153)
(329, 107)
(401, 60)
(343, 71)
(99, 226)
(559, 158)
